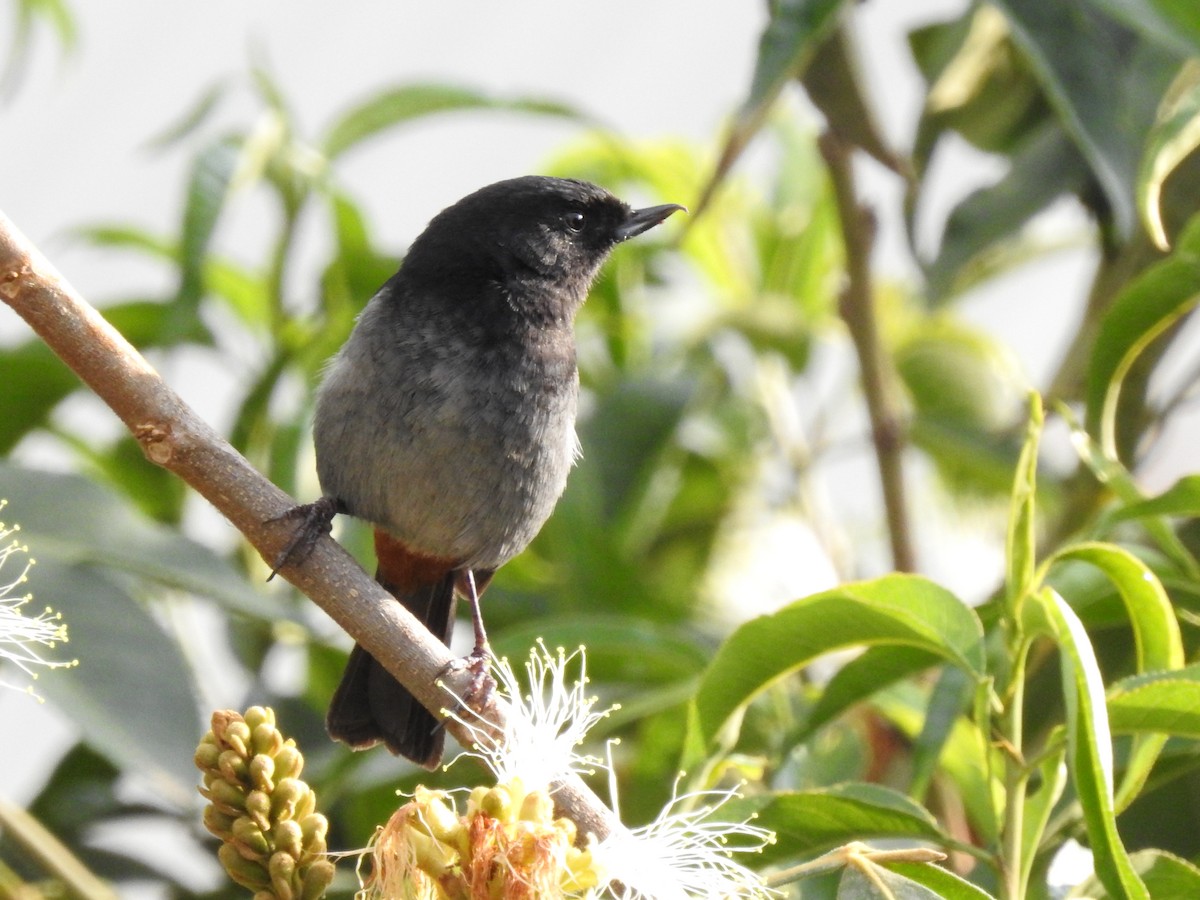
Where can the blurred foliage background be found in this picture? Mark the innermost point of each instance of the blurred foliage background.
(720, 366)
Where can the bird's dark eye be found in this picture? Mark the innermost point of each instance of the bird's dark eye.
(575, 222)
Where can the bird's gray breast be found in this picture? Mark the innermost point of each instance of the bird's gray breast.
(460, 448)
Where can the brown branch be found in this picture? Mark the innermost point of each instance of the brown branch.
(172, 436)
(858, 312)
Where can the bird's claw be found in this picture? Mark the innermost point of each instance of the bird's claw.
(315, 521)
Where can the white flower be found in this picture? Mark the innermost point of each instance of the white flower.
(684, 854)
(22, 638)
(544, 727)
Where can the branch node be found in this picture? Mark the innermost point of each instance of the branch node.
(157, 443)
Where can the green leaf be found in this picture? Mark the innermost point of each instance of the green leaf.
(1088, 739)
(859, 678)
(1180, 499)
(984, 234)
(1166, 876)
(132, 696)
(70, 520)
(1155, 629)
(1104, 83)
(867, 881)
(1146, 308)
(791, 39)
(1175, 135)
(397, 106)
(944, 883)
(951, 697)
(903, 610)
(1166, 703)
(32, 382)
(808, 821)
(1171, 23)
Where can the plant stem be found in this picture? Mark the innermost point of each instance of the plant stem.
(1014, 870)
(858, 312)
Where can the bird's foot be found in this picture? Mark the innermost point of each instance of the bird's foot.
(315, 521)
(479, 694)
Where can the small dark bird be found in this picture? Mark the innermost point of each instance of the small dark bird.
(448, 418)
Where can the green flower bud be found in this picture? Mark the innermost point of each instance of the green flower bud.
(258, 806)
(248, 835)
(261, 773)
(316, 879)
(258, 715)
(232, 766)
(498, 803)
(537, 807)
(288, 838)
(314, 828)
(273, 840)
(245, 872)
(288, 761)
(207, 754)
(228, 798)
(282, 868)
(219, 823)
(266, 739)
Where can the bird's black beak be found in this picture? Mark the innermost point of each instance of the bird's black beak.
(644, 219)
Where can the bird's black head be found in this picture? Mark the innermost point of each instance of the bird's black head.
(538, 240)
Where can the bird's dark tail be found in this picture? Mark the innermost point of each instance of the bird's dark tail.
(369, 705)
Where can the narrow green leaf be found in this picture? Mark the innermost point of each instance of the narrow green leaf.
(1155, 629)
(1021, 544)
(1104, 82)
(1146, 308)
(1088, 739)
(1039, 803)
(1165, 703)
(898, 609)
(208, 186)
(192, 118)
(1180, 499)
(1157, 640)
(1166, 876)
(1175, 135)
(788, 44)
(397, 106)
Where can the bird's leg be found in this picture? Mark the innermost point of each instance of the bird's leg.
(315, 520)
(478, 696)
(481, 641)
